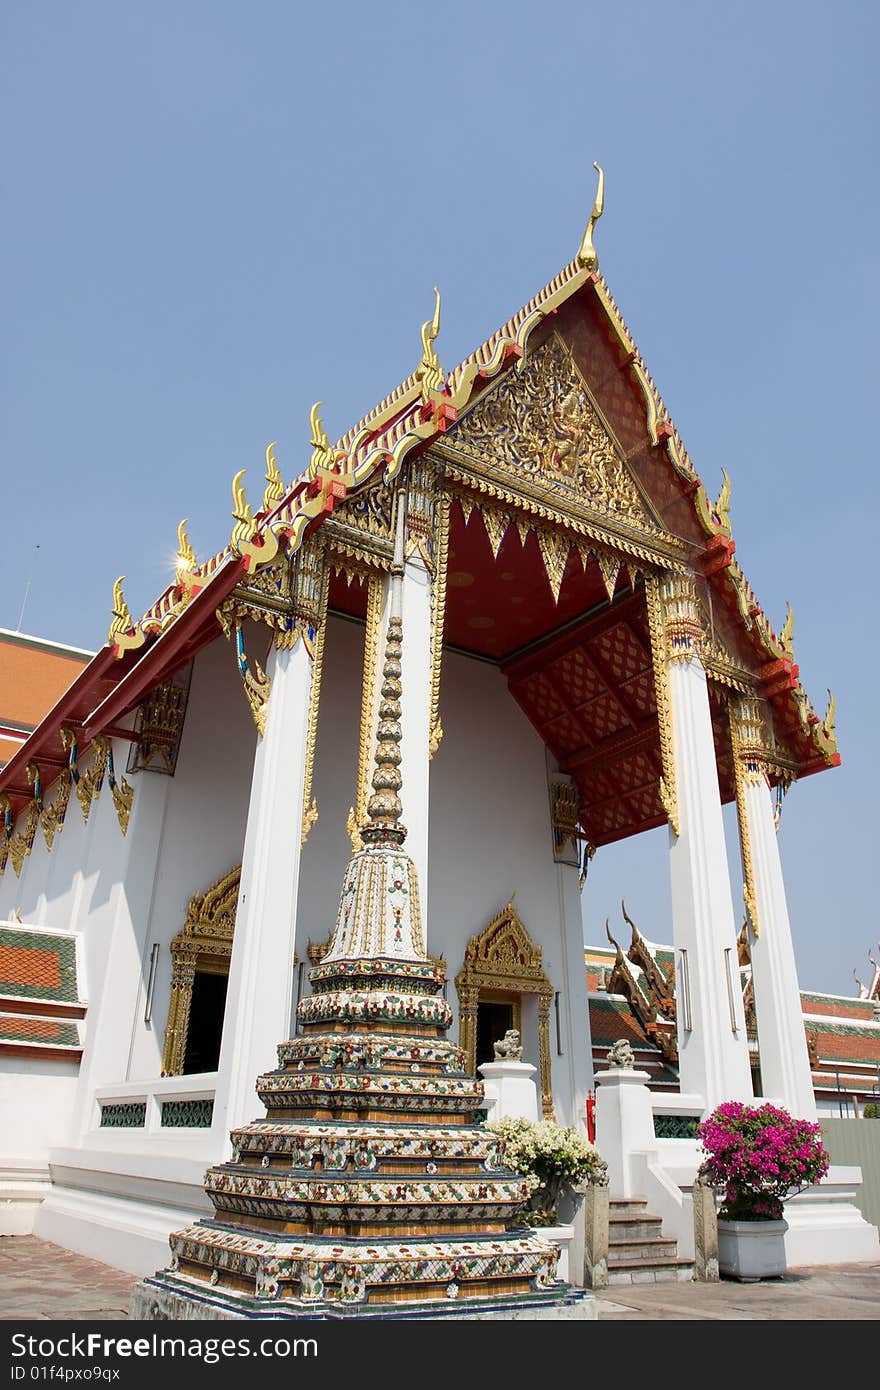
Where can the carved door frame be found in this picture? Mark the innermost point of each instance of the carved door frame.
(502, 958)
(203, 943)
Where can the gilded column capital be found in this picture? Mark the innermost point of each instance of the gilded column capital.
(750, 739)
(682, 619)
(308, 599)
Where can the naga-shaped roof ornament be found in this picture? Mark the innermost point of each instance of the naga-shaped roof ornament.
(787, 633)
(274, 492)
(244, 526)
(587, 255)
(829, 721)
(722, 506)
(429, 374)
(255, 552)
(322, 455)
(122, 619)
(186, 556)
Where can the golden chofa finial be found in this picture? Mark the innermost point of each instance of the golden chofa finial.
(186, 556)
(787, 634)
(244, 518)
(828, 723)
(122, 619)
(722, 506)
(587, 256)
(429, 374)
(274, 492)
(322, 454)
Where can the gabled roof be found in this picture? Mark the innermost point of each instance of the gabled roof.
(412, 417)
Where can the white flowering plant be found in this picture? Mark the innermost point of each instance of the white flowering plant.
(550, 1157)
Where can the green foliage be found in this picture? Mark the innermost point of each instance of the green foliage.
(871, 1111)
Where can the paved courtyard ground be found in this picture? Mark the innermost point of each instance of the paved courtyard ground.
(42, 1281)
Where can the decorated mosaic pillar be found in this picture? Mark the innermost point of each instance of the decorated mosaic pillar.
(782, 1043)
(260, 992)
(415, 721)
(368, 1189)
(417, 606)
(712, 1043)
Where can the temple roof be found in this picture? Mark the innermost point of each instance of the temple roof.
(423, 411)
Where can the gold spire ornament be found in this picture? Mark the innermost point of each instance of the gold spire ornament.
(828, 723)
(274, 492)
(242, 540)
(186, 556)
(722, 506)
(587, 256)
(429, 374)
(787, 633)
(244, 526)
(322, 454)
(123, 622)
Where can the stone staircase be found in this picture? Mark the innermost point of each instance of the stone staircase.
(637, 1251)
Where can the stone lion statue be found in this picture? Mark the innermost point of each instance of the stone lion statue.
(509, 1049)
(621, 1055)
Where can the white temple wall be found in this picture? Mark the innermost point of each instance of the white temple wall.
(204, 826)
(36, 1101)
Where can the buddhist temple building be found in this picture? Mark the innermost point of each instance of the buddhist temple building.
(628, 1001)
(582, 659)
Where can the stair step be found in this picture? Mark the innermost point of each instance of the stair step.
(626, 1251)
(623, 1228)
(635, 1272)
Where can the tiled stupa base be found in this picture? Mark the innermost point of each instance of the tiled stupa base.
(166, 1299)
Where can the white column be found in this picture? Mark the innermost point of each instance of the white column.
(259, 997)
(712, 1043)
(575, 1066)
(785, 1063)
(126, 882)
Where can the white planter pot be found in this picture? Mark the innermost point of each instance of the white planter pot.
(750, 1250)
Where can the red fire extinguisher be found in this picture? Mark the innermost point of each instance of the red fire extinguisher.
(591, 1116)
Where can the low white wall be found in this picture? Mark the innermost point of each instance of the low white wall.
(36, 1104)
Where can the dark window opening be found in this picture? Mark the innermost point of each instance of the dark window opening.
(205, 1022)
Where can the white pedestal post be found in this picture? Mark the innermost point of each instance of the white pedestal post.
(624, 1125)
(712, 1044)
(511, 1088)
(259, 997)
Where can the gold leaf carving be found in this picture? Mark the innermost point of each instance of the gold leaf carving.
(554, 553)
(544, 422)
(496, 524)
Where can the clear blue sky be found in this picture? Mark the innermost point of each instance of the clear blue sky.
(216, 213)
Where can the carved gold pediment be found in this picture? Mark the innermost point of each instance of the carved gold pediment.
(544, 422)
(210, 917)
